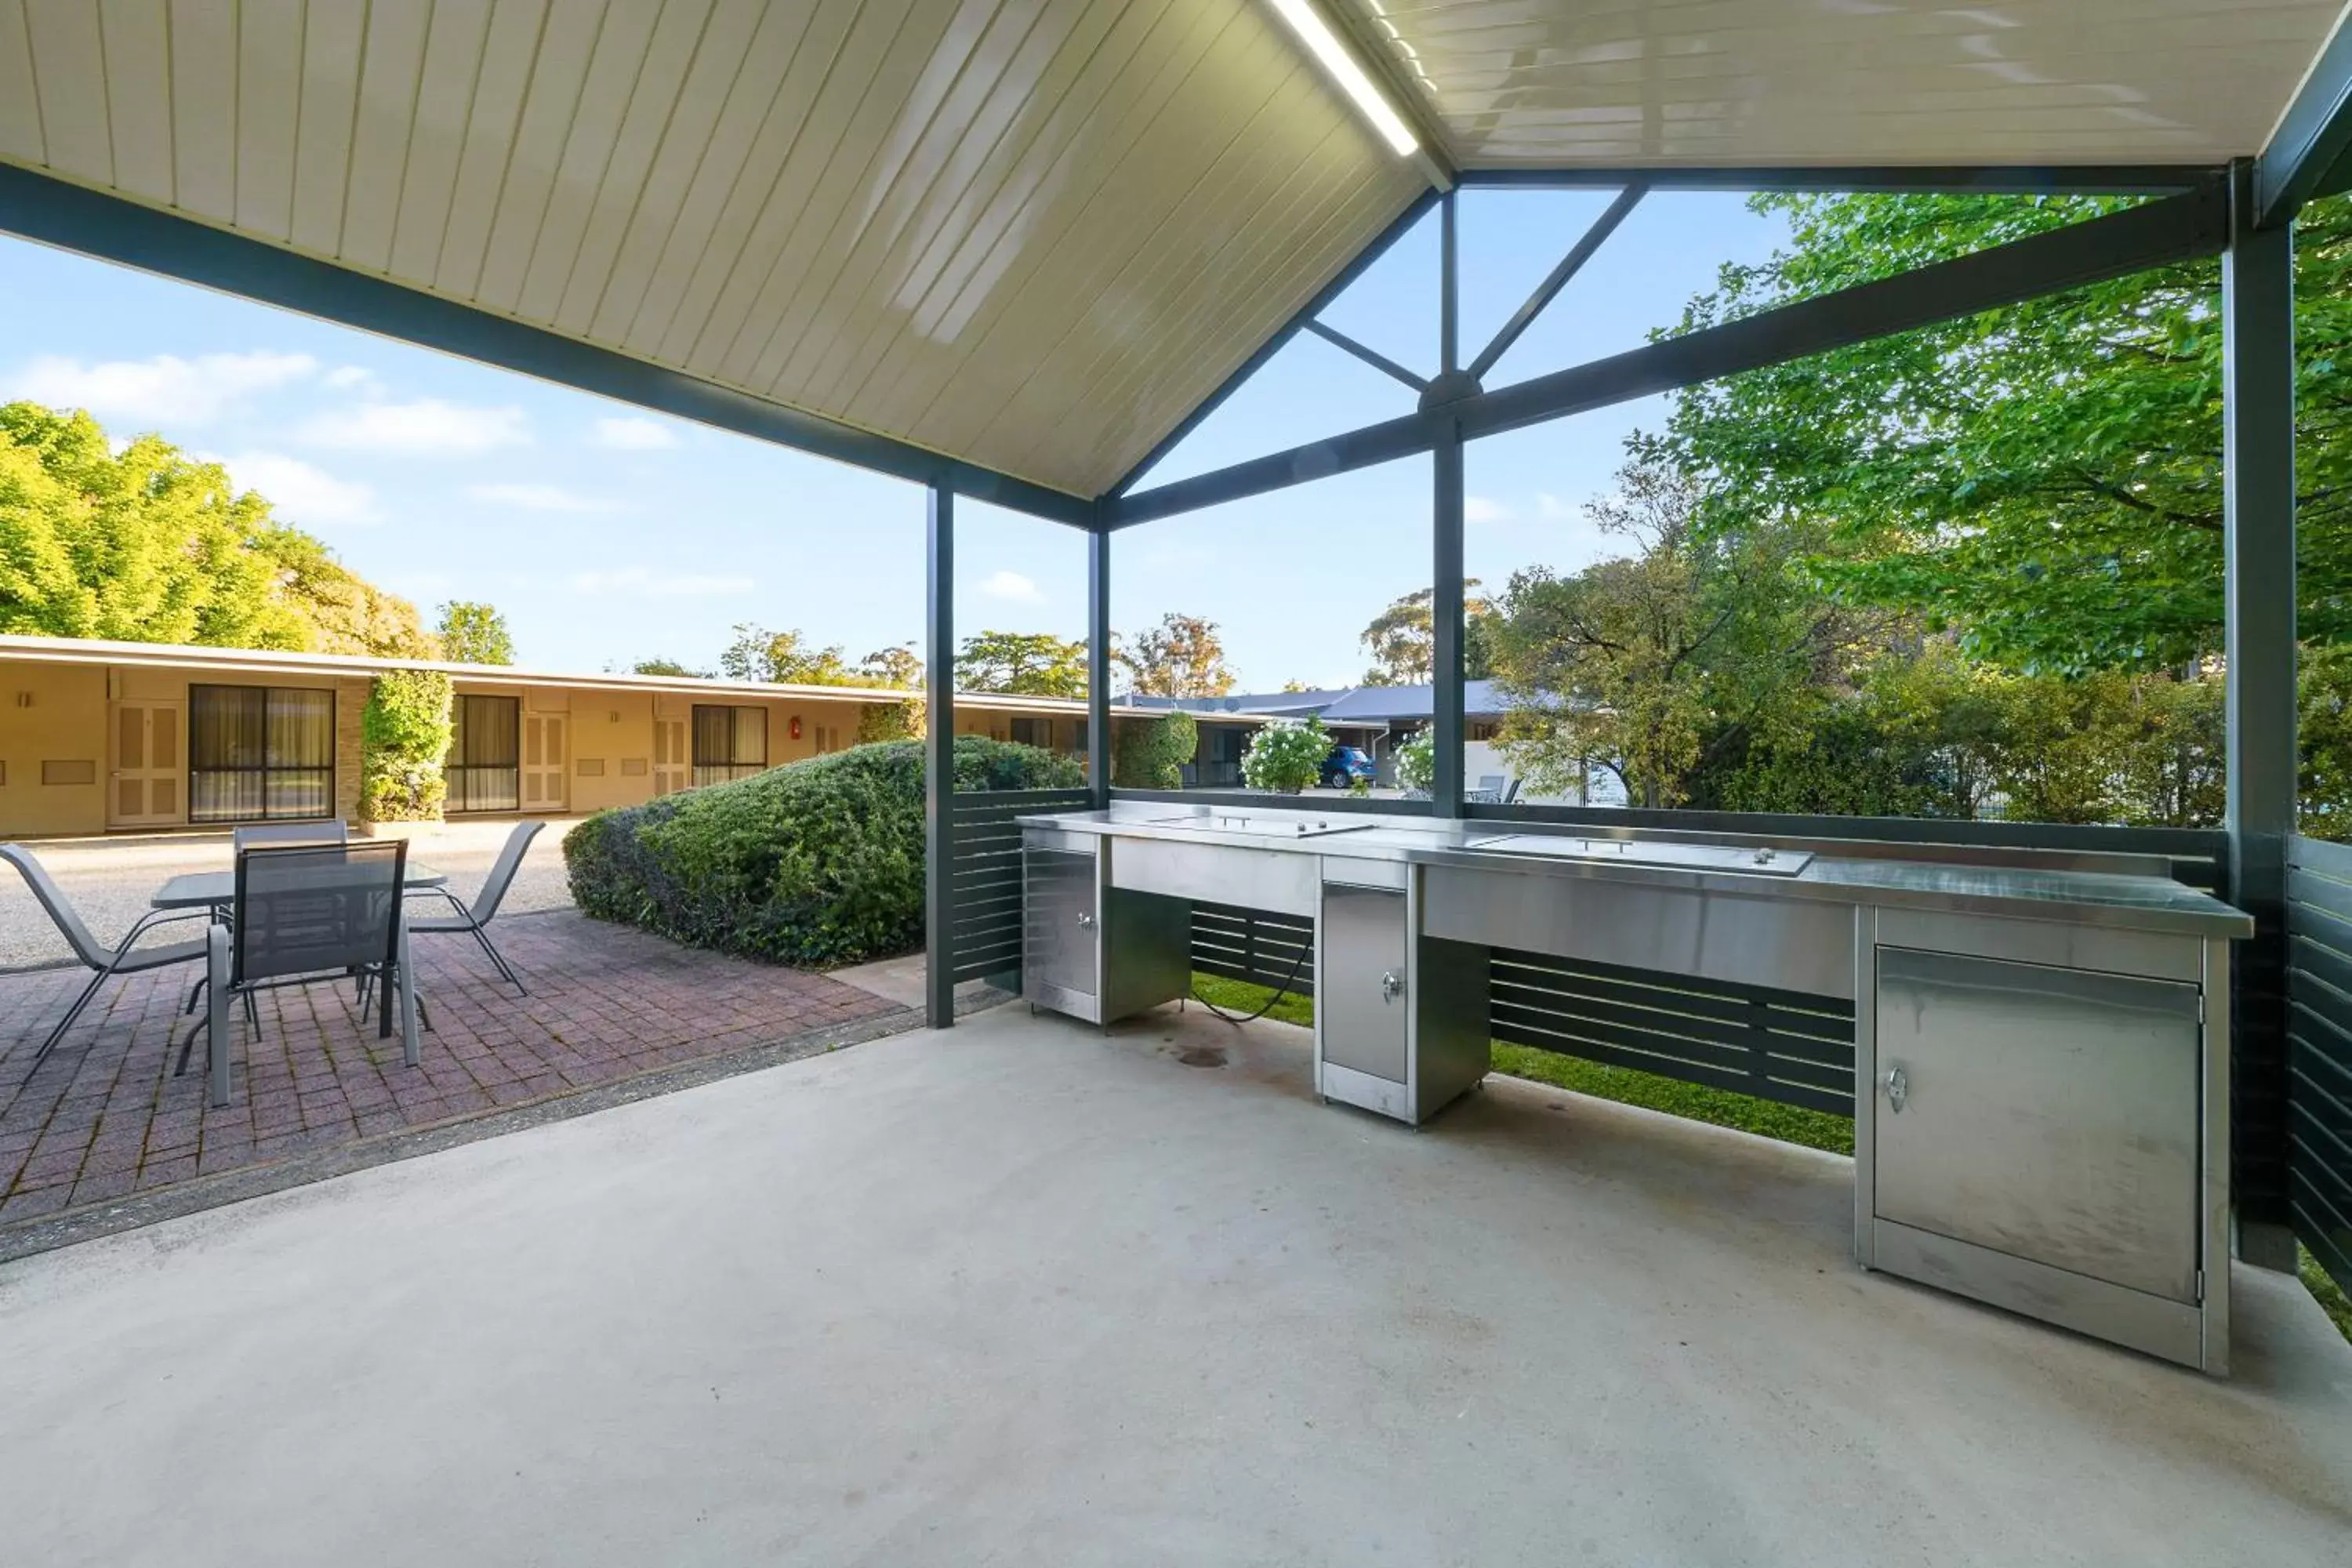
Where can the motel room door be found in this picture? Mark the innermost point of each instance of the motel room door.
(143, 776)
(671, 756)
(542, 762)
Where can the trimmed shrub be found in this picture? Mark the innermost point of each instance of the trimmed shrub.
(403, 739)
(814, 863)
(1152, 754)
(1286, 755)
(879, 722)
(1416, 763)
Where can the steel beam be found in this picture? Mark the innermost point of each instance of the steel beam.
(111, 228)
(2039, 179)
(2176, 228)
(1449, 286)
(2306, 157)
(939, 761)
(1370, 356)
(2258, 544)
(1549, 290)
(1446, 623)
(1396, 230)
(1099, 668)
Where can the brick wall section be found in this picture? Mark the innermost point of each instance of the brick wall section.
(351, 702)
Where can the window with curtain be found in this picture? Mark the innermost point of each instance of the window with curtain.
(484, 768)
(728, 742)
(260, 753)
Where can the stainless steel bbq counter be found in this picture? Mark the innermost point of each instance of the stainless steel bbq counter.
(2041, 1039)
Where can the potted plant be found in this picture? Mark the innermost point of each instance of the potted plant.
(1286, 755)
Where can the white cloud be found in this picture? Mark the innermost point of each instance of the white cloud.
(540, 498)
(299, 494)
(1482, 508)
(165, 390)
(634, 435)
(1013, 585)
(646, 583)
(353, 378)
(427, 427)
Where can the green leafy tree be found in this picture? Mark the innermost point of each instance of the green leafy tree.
(2045, 480)
(785, 658)
(475, 632)
(666, 666)
(1403, 640)
(150, 545)
(1657, 664)
(1033, 664)
(1180, 657)
(1286, 755)
(898, 666)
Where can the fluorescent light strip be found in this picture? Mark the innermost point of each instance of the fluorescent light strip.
(1316, 32)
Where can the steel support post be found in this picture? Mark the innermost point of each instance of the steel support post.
(1098, 668)
(2258, 457)
(1449, 291)
(939, 762)
(1446, 623)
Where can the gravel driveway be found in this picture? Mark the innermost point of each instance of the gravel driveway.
(109, 880)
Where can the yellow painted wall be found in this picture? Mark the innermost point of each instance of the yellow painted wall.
(609, 734)
(64, 723)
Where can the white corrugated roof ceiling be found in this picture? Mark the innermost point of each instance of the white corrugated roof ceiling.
(1763, 83)
(1030, 234)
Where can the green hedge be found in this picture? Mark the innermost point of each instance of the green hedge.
(404, 738)
(818, 862)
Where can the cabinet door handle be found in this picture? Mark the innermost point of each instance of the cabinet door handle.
(1391, 986)
(1897, 1086)
(1085, 920)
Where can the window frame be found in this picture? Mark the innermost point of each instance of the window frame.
(268, 771)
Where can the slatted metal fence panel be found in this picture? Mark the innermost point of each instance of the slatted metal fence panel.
(2320, 1050)
(987, 874)
(1782, 1046)
(1253, 945)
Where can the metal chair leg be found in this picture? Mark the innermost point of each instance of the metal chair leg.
(65, 1023)
(499, 960)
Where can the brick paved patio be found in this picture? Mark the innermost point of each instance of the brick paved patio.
(103, 1117)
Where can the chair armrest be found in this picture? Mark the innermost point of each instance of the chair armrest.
(153, 919)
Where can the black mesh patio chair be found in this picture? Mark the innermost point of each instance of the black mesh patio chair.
(263, 834)
(305, 915)
(474, 921)
(124, 958)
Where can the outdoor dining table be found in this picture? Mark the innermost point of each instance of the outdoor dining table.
(217, 891)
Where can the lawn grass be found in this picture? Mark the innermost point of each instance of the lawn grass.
(1719, 1108)
(2329, 1294)
(1627, 1086)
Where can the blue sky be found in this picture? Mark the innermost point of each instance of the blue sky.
(609, 535)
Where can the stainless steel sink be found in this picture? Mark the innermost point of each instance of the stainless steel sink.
(1761, 860)
(1258, 827)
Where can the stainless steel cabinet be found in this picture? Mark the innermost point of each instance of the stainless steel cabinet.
(1400, 1017)
(2046, 1138)
(2050, 1114)
(1363, 1010)
(1060, 938)
(1092, 950)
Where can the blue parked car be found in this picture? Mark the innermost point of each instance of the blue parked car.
(1345, 765)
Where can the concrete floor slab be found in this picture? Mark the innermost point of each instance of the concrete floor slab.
(1021, 1294)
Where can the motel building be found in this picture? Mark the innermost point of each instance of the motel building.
(118, 737)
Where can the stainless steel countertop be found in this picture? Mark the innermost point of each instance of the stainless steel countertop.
(2080, 896)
